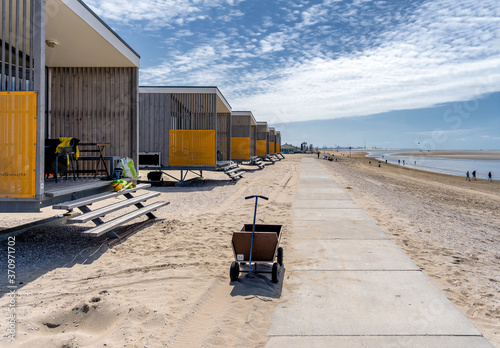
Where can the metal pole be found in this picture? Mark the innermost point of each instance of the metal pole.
(251, 242)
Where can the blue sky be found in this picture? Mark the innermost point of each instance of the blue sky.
(394, 67)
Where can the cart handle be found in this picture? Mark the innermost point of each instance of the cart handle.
(258, 197)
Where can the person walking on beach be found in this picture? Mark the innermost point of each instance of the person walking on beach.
(467, 177)
(474, 174)
(489, 176)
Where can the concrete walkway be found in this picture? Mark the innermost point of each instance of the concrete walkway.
(353, 286)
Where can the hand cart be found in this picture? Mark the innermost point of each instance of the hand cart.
(257, 243)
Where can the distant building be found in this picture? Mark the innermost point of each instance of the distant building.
(288, 148)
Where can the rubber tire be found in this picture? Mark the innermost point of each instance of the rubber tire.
(280, 256)
(234, 271)
(275, 272)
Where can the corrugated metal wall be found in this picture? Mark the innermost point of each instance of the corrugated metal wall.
(261, 148)
(95, 105)
(240, 148)
(192, 147)
(154, 124)
(16, 45)
(18, 124)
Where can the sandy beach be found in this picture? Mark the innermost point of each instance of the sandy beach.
(168, 284)
(466, 155)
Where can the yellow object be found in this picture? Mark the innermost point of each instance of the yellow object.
(261, 147)
(191, 147)
(271, 148)
(120, 185)
(65, 141)
(278, 148)
(240, 148)
(117, 185)
(18, 144)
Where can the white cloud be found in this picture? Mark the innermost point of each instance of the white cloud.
(445, 51)
(159, 13)
(439, 56)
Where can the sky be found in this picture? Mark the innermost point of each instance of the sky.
(391, 73)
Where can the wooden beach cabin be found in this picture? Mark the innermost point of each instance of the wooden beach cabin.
(262, 139)
(63, 73)
(243, 136)
(184, 128)
(272, 141)
(278, 142)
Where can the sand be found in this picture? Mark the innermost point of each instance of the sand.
(168, 284)
(489, 155)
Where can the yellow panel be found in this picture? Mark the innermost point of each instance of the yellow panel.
(261, 147)
(271, 148)
(17, 144)
(278, 148)
(191, 147)
(240, 148)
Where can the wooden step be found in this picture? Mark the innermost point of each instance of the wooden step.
(229, 166)
(236, 174)
(70, 205)
(232, 170)
(108, 226)
(111, 208)
(76, 187)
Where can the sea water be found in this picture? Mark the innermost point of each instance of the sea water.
(440, 165)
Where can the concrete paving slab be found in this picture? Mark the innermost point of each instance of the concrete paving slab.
(365, 303)
(353, 229)
(322, 186)
(330, 214)
(306, 195)
(325, 204)
(349, 255)
(380, 341)
(318, 182)
(320, 190)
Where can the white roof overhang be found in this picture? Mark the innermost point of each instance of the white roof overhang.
(222, 104)
(82, 38)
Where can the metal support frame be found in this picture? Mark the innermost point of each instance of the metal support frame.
(98, 221)
(183, 176)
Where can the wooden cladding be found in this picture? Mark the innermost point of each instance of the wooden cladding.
(161, 113)
(224, 136)
(95, 105)
(192, 111)
(16, 40)
(154, 124)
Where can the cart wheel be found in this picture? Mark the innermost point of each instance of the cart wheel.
(276, 272)
(280, 256)
(234, 271)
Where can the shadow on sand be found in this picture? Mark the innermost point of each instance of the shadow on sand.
(43, 249)
(260, 285)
